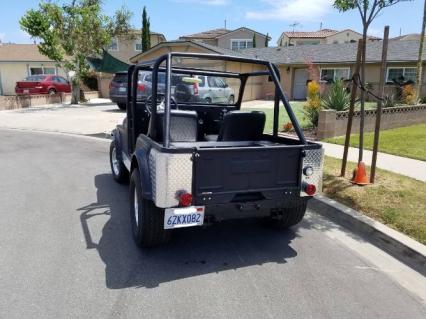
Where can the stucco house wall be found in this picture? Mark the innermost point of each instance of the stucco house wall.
(344, 36)
(127, 45)
(242, 34)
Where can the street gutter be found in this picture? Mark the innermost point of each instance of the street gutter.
(400, 246)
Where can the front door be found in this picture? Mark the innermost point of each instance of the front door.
(299, 85)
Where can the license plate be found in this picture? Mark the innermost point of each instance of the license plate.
(121, 89)
(183, 217)
(26, 91)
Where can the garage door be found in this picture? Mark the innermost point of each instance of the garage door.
(299, 87)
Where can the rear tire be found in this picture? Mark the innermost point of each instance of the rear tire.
(119, 171)
(208, 100)
(51, 92)
(147, 220)
(122, 106)
(290, 216)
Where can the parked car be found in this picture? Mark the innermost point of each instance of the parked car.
(43, 84)
(208, 89)
(213, 89)
(191, 164)
(118, 87)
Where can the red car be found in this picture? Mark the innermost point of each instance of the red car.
(43, 84)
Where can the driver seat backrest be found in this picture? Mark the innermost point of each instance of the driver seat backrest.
(183, 126)
(242, 126)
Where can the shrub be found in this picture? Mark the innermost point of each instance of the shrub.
(337, 98)
(389, 100)
(408, 94)
(313, 105)
(287, 127)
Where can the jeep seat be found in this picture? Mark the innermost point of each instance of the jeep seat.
(242, 126)
(183, 126)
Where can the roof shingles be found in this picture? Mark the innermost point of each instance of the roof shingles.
(398, 51)
(21, 53)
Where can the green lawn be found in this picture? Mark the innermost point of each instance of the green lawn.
(297, 107)
(395, 200)
(404, 141)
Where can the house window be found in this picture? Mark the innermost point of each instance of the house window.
(331, 75)
(114, 45)
(239, 44)
(42, 70)
(138, 46)
(397, 74)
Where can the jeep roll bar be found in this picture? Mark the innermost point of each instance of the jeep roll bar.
(155, 67)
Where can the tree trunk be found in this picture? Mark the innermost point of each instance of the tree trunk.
(75, 95)
(419, 59)
(362, 111)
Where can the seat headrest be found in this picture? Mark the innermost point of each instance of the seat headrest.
(242, 126)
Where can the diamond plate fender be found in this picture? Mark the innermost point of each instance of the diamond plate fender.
(170, 173)
(314, 158)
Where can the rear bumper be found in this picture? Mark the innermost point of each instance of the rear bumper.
(119, 99)
(30, 91)
(264, 208)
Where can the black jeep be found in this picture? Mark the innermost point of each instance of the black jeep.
(191, 163)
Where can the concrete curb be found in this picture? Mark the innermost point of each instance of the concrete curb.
(396, 244)
(95, 136)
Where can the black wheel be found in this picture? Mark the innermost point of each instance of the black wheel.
(122, 106)
(231, 100)
(52, 91)
(290, 216)
(147, 220)
(208, 100)
(119, 171)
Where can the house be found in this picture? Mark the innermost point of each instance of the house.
(18, 61)
(123, 47)
(238, 39)
(406, 37)
(299, 64)
(326, 62)
(323, 36)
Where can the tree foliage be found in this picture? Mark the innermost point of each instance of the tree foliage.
(368, 9)
(70, 32)
(254, 40)
(146, 32)
(267, 40)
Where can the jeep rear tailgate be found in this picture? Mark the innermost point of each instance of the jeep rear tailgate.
(221, 175)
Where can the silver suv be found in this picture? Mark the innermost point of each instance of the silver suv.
(213, 89)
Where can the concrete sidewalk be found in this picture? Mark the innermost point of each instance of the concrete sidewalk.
(401, 165)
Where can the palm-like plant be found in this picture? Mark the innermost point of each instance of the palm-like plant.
(337, 98)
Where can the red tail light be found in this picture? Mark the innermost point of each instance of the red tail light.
(195, 86)
(310, 189)
(141, 87)
(185, 199)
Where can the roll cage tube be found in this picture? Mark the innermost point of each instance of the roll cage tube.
(273, 72)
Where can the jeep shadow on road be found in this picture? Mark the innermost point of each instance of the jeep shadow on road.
(193, 251)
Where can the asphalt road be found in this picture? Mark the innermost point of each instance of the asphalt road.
(66, 252)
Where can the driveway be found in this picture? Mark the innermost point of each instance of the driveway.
(66, 252)
(93, 118)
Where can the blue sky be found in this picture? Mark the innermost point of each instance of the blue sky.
(180, 17)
